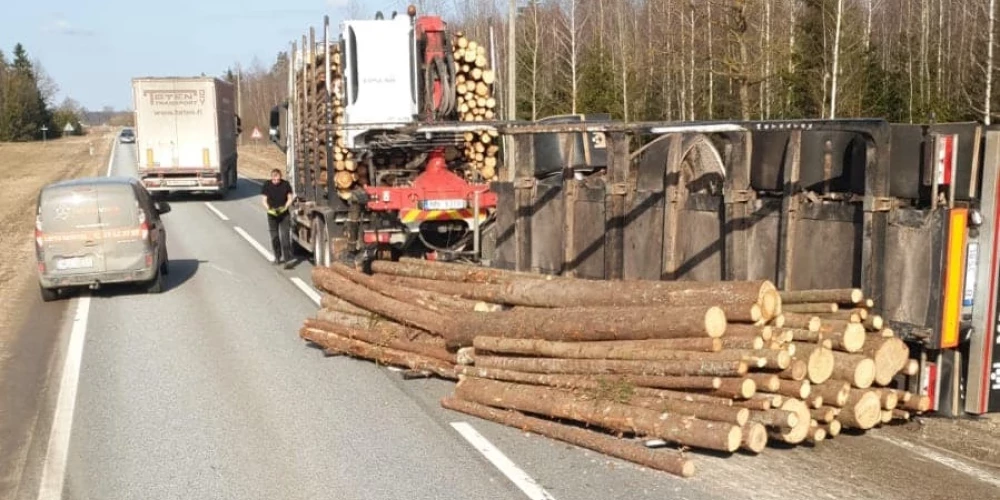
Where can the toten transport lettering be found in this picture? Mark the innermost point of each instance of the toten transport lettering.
(175, 97)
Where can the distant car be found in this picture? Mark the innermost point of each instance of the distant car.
(101, 230)
(127, 136)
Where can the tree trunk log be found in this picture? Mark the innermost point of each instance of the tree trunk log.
(863, 410)
(798, 370)
(820, 361)
(742, 331)
(765, 381)
(776, 418)
(834, 393)
(847, 337)
(754, 437)
(673, 462)
(890, 355)
(361, 349)
(736, 388)
(797, 433)
(754, 404)
(380, 339)
(801, 321)
(839, 296)
(610, 415)
(614, 367)
(857, 369)
(381, 326)
(824, 414)
(629, 349)
(810, 308)
(703, 411)
(741, 342)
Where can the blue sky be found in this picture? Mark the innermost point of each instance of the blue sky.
(92, 48)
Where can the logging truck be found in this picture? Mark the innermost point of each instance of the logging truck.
(186, 132)
(388, 131)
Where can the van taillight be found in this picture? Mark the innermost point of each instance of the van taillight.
(144, 230)
(39, 236)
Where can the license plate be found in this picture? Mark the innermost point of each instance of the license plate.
(444, 204)
(75, 263)
(182, 183)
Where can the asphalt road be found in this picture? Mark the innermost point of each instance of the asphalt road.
(206, 391)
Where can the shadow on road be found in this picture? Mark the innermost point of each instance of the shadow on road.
(244, 189)
(180, 271)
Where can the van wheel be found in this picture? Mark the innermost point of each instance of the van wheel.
(49, 294)
(321, 248)
(156, 285)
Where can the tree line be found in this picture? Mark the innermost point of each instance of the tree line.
(681, 60)
(26, 93)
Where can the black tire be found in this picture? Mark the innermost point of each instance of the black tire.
(156, 284)
(234, 178)
(48, 294)
(321, 244)
(165, 267)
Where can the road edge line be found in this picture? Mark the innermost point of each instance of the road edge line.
(521, 479)
(111, 156)
(57, 449)
(257, 246)
(306, 289)
(216, 211)
(943, 459)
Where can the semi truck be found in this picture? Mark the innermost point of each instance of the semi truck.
(186, 131)
(909, 213)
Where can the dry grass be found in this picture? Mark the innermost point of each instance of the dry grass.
(257, 160)
(27, 167)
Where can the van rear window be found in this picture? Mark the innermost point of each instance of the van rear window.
(83, 208)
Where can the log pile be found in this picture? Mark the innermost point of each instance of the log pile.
(474, 87)
(724, 366)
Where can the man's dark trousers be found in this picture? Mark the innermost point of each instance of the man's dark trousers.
(278, 225)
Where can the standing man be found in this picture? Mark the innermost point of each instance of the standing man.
(277, 197)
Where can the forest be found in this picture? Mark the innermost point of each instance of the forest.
(26, 94)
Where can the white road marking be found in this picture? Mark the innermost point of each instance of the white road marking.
(216, 211)
(952, 463)
(54, 467)
(260, 248)
(306, 289)
(111, 157)
(522, 480)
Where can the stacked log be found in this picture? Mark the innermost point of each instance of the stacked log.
(474, 87)
(707, 366)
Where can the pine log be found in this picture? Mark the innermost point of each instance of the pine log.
(840, 296)
(847, 337)
(834, 393)
(890, 356)
(816, 434)
(798, 370)
(810, 308)
(912, 368)
(379, 325)
(639, 386)
(704, 411)
(857, 369)
(333, 303)
(918, 403)
(379, 338)
(801, 321)
(824, 414)
(629, 349)
(832, 429)
(793, 389)
(567, 292)
(336, 343)
(762, 358)
(889, 398)
(673, 462)
(820, 361)
(449, 271)
(741, 342)
(799, 334)
(754, 437)
(765, 381)
(736, 388)
(613, 367)
(900, 414)
(874, 323)
(863, 410)
(797, 433)
(886, 417)
(610, 415)
(775, 418)
(742, 313)
(739, 330)
(754, 404)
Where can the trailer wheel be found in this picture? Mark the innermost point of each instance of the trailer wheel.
(321, 242)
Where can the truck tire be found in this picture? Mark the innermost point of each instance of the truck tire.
(48, 294)
(321, 243)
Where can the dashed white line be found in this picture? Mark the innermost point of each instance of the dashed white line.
(306, 289)
(521, 479)
(216, 211)
(260, 248)
(958, 465)
(54, 468)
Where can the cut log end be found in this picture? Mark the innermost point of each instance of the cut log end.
(734, 438)
(715, 322)
(754, 437)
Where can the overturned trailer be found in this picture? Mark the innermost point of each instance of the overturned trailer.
(908, 213)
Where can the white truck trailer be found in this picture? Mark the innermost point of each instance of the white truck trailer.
(186, 129)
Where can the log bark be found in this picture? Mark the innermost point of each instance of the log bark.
(857, 369)
(337, 304)
(736, 388)
(839, 296)
(704, 411)
(798, 370)
(380, 339)
(739, 330)
(810, 308)
(918, 403)
(610, 415)
(824, 414)
(765, 381)
(742, 313)
(741, 342)
(673, 462)
(448, 271)
(754, 404)
(820, 361)
(628, 386)
(847, 337)
(365, 350)
(793, 389)
(776, 418)
(797, 433)
(381, 326)
(801, 321)
(832, 429)
(567, 292)
(863, 410)
(637, 349)
(614, 367)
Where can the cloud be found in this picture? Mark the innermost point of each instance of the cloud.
(61, 26)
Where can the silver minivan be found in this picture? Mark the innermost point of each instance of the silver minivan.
(100, 230)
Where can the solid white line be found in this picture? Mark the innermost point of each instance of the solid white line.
(522, 480)
(216, 210)
(260, 248)
(958, 465)
(54, 468)
(111, 157)
(306, 289)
